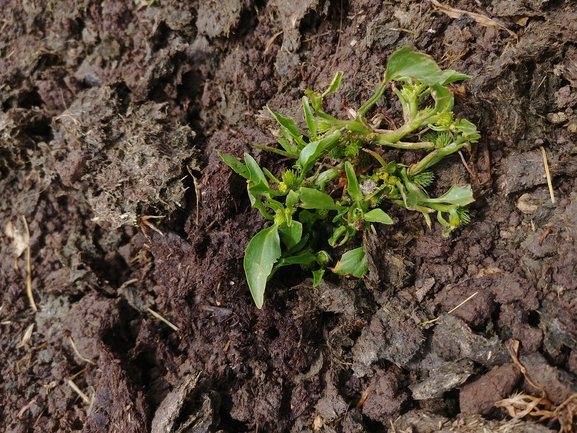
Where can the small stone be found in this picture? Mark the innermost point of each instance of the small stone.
(480, 396)
(557, 118)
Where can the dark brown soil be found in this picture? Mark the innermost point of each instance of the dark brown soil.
(115, 206)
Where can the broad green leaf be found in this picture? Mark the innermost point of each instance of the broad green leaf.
(289, 124)
(261, 254)
(378, 216)
(353, 189)
(237, 166)
(309, 156)
(313, 199)
(292, 235)
(312, 151)
(353, 262)
(260, 188)
(310, 118)
(255, 174)
(335, 84)
(456, 195)
(307, 217)
(405, 63)
(292, 199)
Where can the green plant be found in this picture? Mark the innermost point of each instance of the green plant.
(339, 158)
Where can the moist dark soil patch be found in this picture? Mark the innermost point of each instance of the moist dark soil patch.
(128, 231)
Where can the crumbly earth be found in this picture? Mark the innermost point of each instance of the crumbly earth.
(128, 231)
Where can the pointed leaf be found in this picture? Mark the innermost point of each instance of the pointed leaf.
(335, 84)
(237, 166)
(378, 216)
(353, 189)
(318, 277)
(316, 100)
(450, 76)
(261, 254)
(312, 151)
(291, 235)
(289, 124)
(310, 118)
(255, 174)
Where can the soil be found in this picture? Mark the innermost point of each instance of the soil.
(128, 231)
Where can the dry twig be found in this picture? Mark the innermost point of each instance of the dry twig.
(548, 174)
(522, 405)
(29, 269)
(479, 19)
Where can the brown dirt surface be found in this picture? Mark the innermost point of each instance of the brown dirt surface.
(128, 230)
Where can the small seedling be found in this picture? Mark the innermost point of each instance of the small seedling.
(340, 177)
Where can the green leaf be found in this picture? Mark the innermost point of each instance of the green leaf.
(321, 180)
(310, 118)
(450, 76)
(468, 129)
(405, 63)
(337, 233)
(287, 143)
(307, 217)
(378, 216)
(353, 262)
(271, 176)
(316, 100)
(414, 193)
(312, 151)
(292, 199)
(300, 259)
(335, 84)
(255, 174)
(309, 156)
(237, 166)
(261, 254)
(456, 195)
(313, 199)
(292, 235)
(444, 99)
(353, 189)
(289, 124)
(318, 277)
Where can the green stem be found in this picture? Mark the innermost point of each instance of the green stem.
(404, 144)
(434, 157)
(373, 99)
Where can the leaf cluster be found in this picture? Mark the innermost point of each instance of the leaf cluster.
(340, 179)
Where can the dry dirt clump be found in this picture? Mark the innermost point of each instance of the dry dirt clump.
(111, 116)
(127, 162)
